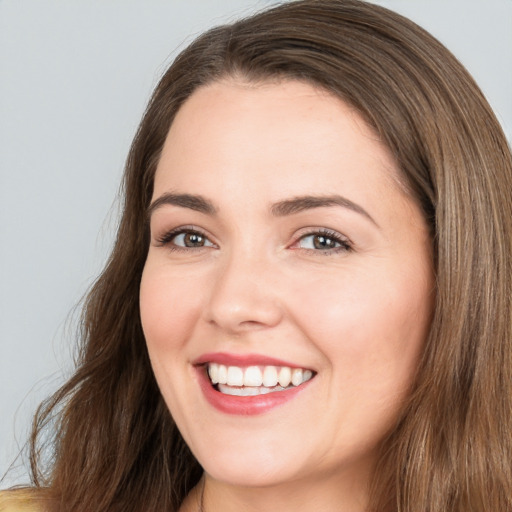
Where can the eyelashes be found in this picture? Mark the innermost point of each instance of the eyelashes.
(185, 238)
(322, 241)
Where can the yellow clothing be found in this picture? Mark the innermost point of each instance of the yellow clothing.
(19, 500)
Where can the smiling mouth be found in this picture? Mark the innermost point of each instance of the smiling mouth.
(255, 380)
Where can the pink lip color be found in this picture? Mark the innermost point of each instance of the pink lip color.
(244, 405)
(242, 360)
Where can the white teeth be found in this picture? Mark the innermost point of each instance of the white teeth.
(213, 372)
(235, 376)
(248, 391)
(285, 376)
(297, 377)
(271, 379)
(270, 376)
(223, 374)
(253, 376)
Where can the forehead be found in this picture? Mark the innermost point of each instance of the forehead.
(272, 135)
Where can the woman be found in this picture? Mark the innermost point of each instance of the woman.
(308, 305)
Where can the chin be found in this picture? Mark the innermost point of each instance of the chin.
(243, 473)
(258, 465)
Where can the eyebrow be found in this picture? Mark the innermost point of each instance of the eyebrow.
(191, 201)
(279, 209)
(302, 203)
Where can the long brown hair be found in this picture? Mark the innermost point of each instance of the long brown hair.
(115, 445)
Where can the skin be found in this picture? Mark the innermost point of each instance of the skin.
(358, 317)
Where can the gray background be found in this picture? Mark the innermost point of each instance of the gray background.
(74, 80)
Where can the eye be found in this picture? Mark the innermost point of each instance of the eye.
(191, 239)
(325, 241)
(184, 238)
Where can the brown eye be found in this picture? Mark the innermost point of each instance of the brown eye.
(326, 242)
(192, 240)
(186, 240)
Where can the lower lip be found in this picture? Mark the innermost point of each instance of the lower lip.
(245, 405)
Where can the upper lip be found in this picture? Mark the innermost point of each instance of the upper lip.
(243, 360)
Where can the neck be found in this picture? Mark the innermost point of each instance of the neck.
(326, 494)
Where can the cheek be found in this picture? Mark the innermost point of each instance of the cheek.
(169, 310)
(371, 328)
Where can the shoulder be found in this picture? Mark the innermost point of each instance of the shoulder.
(20, 500)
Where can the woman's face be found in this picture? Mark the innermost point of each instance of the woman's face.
(282, 247)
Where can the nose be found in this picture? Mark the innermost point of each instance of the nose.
(243, 296)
